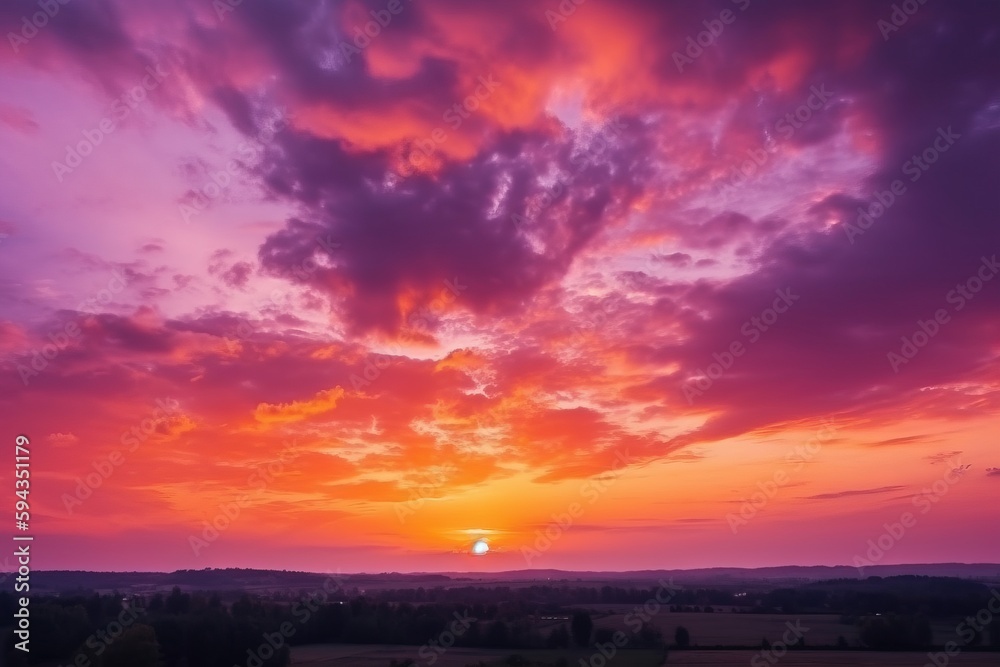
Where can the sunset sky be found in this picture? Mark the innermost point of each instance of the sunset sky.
(379, 279)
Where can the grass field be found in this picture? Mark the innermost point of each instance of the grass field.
(338, 655)
(335, 655)
(727, 629)
(721, 629)
(828, 659)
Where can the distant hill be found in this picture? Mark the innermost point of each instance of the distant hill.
(781, 573)
(245, 579)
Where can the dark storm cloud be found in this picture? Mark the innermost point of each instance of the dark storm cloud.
(427, 233)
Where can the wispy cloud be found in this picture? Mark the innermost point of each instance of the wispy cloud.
(858, 492)
(942, 457)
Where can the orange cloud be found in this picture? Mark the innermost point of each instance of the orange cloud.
(324, 401)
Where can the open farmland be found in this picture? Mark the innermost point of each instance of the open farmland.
(728, 629)
(340, 655)
(827, 659)
(721, 629)
(333, 655)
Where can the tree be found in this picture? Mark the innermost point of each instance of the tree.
(581, 628)
(56, 630)
(649, 635)
(558, 638)
(896, 632)
(682, 638)
(170, 635)
(178, 602)
(136, 648)
(604, 635)
(497, 635)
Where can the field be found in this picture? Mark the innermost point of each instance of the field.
(722, 629)
(706, 630)
(380, 656)
(339, 655)
(828, 659)
(726, 629)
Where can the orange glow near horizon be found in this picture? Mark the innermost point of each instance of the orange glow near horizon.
(543, 331)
